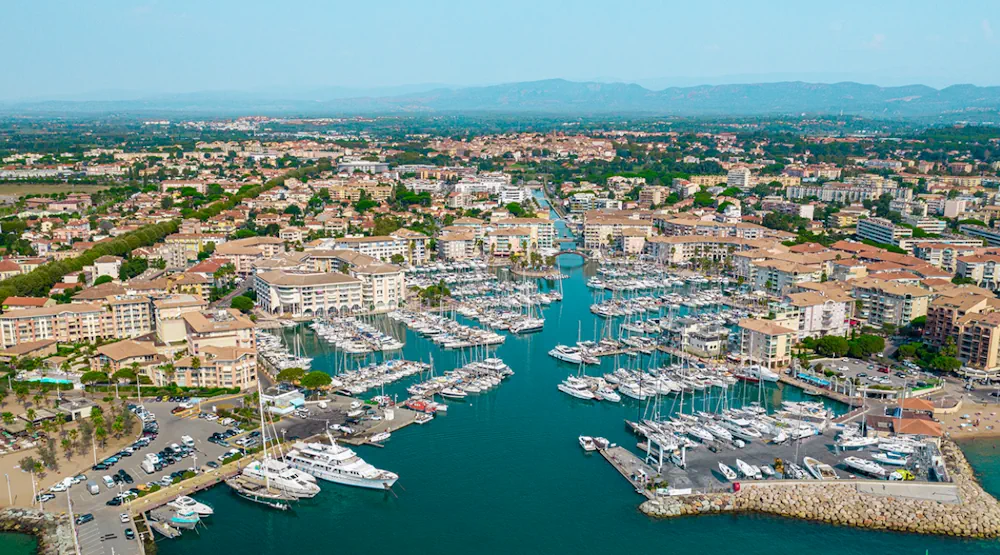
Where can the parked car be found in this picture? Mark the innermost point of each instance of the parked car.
(123, 517)
(129, 534)
(84, 518)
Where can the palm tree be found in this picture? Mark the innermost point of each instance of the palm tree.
(8, 418)
(37, 399)
(67, 448)
(31, 415)
(73, 434)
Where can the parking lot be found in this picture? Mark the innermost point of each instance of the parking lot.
(870, 374)
(107, 531)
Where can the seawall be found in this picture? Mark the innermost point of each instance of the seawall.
(962, 508)
(53, 531)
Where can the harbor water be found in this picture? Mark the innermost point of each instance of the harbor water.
(502, 472)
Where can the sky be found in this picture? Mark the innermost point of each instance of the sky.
(107, 49)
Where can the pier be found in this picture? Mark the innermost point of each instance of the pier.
(638, 473)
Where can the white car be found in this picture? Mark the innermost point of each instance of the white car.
(58, 488)
(124, 517)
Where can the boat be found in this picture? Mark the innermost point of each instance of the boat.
(857, 442)
(380, 437)
(812, 392)
(186, 503)
(727, 471)
(818, 470)
(866, 466)
(338, 464)
(423, 418)
(278, 474)
(452, 393)
(794, 471)
(587, 443)
(262, 494)
(890, 458)
(566, 354)
(767, 470)
(902, 475)
(607, 394)
(748, 470)
(575, 390)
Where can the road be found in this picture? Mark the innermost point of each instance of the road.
(240, 289)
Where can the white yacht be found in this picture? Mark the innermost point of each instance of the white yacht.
(727, 471)
(282, 476)
(567, 354)
(866, 466)
(185, 503)
(338, 464)
(575, 390)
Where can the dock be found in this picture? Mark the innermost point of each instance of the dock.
(631, 467)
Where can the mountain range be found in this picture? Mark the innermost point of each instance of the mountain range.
(562, 97)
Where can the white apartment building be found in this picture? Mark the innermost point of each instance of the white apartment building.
(883, 231)
(740, 178)
(383, 286)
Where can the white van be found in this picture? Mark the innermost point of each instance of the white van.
(109, 482)
(187, 440)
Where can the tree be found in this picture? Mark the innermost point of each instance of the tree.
(102, 280)
(949, 349)
(291, 375)
(243, 304)
(315, 380)
(397, 259)
(832, 346)
(945, 363)
(8, 418)
(90, 378)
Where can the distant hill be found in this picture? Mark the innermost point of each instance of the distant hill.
(558, 96)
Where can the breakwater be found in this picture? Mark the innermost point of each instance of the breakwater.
(964, 510)
(53, 532)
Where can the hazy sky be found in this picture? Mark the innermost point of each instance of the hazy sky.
(116, 49)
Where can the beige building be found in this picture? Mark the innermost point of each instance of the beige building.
(766, 343)
(382, 287)
(65, 323)
(297, 294)
(242, 253)
(888, 302)
(218, 328)
(457, 246)
(169, 316)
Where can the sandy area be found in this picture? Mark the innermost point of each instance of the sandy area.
(983, 420)
(79, 463)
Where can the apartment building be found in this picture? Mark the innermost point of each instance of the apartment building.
(216, 367)
(242, 253)
(188, 245)
(543, 231)
(778, 277)
(298, 294)
(505, 242)
(673, 226)
(981, 268)
(601, 231)
(457, 246)
(847, 193)
(942, 255)
(383, 286)
(66, 323)
(418, 252)
(888, 302)
(123, 354)
(766, 343)
(991, 236)
(652, 195)
(947, 312)
(882, 231)
(740, 178)
(379, 247)
(816, 315)
(130, 316)
(218, 328)
(168, 314)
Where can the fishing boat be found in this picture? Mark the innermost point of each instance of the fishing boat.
(866, 466)
(727, 471)
(818, 470)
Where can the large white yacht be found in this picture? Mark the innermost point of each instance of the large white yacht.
(280, 475)
(338, 464)
(186, 503)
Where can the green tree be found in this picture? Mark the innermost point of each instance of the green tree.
(291, 375)
(832, 346)
(243, 304)
(102, 280)
(315, 380)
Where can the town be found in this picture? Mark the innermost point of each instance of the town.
(245, 297)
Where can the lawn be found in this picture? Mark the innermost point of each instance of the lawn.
(21, 189)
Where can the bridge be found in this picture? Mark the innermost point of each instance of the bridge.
(581, 254)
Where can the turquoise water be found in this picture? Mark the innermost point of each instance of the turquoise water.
(503, 473)
(17, 544)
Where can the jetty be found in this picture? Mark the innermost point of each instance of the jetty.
(638, 473)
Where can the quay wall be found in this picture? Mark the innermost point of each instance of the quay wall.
(53, 531)
(974, 513)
